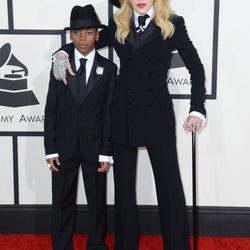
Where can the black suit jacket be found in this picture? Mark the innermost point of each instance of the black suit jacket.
(142, 112)
(68, 122)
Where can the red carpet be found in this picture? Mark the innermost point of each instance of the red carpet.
(42, 242)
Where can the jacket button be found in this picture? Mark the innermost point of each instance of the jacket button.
(149, 106)
(150, 60)
(130, 59)
(150, 90)
(131, 74)
(130, 105)
(130, 89)
(151, 74)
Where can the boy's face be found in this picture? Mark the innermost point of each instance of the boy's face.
(84, 39)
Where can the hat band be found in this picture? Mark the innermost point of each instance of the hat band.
(87, 23)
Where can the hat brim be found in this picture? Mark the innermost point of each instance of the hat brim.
(101, 26)
(116, 3)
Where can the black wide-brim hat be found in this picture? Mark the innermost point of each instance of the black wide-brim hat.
(116, 3)
(83, 18)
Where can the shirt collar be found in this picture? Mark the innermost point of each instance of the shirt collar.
(89, 57)
(150, 13)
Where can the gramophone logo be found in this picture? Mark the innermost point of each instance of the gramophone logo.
(13, 81)
(176, 61)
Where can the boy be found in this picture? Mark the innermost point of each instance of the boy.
(77, 133)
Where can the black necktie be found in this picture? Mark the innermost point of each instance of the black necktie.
(141, 21)
(81, 69)
(81, 75)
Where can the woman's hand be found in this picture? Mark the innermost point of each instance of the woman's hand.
(60, 66)
(193, 124)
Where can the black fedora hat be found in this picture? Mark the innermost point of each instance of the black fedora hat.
(116, 3)
(83, 18)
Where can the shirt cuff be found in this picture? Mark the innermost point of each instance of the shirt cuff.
(200, 115)
(49, 156)
(106, 158)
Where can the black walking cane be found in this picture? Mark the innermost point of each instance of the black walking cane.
(195, 227)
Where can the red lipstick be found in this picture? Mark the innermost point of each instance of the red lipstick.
(141, 5)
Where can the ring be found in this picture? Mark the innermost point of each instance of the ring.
(49, 166)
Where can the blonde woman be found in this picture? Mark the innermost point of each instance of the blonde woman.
(142, 114)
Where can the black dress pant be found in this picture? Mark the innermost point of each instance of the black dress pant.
(64, 189)
(170, 196)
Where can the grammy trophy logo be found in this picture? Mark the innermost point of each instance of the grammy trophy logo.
(176, 61)
(13, 81)
(177, 79)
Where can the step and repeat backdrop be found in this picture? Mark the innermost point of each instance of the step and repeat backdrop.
(30, 31)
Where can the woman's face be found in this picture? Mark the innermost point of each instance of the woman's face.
(141, 6)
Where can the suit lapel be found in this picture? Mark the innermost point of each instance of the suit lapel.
(146, 37)
(132, 36)
(94, 76)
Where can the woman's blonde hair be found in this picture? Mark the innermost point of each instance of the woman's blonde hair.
(123, 16)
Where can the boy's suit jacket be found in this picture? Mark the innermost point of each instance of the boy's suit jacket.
(68, 123)
(142, 112)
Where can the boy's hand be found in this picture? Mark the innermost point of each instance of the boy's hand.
(104, 166)
(53, 164)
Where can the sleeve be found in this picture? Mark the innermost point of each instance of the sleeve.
(51, 156)
(68, 48)
(106, 35)
(191, 59)
(50, 117)
(106, 158)
(106, 145)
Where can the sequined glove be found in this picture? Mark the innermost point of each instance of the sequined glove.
(60, 67)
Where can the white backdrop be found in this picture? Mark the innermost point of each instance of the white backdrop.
(223, 145)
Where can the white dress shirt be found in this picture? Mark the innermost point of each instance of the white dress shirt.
(90, 60)
(151, 16)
